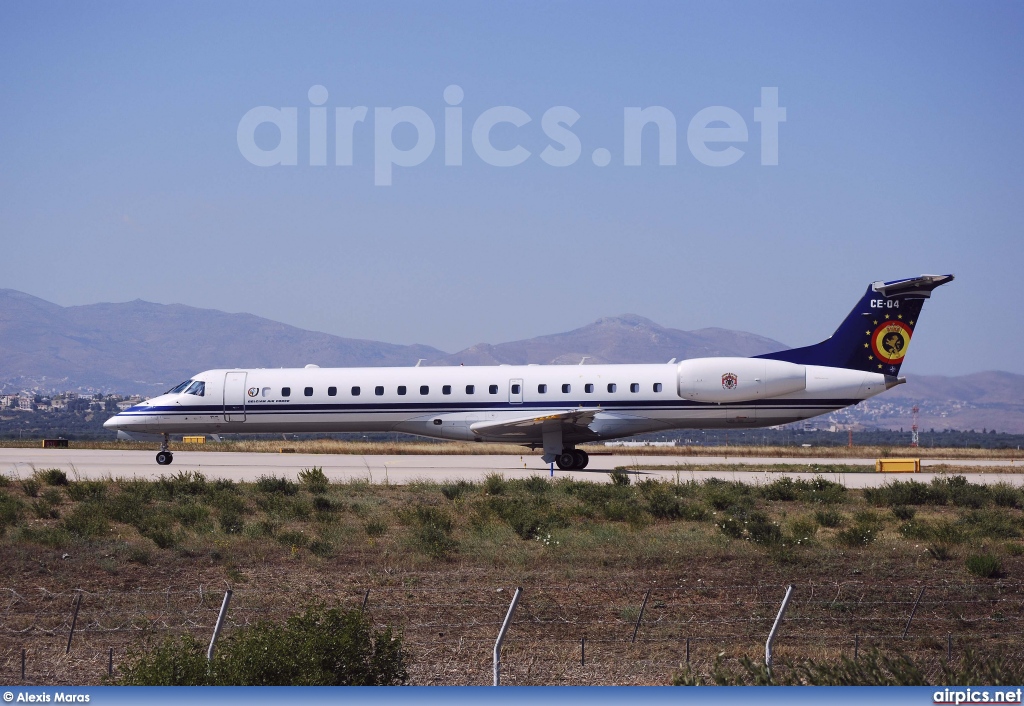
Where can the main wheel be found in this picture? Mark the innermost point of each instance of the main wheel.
(566, 460)
(164, 458)
(582, 459)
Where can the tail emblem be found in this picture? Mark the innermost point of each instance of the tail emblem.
(889, 343)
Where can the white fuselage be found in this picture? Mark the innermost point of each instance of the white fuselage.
(484, 403)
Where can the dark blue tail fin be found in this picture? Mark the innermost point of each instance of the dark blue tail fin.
(876, 334)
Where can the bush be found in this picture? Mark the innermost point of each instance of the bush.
(31, 487)
(85, 490)
(321, 647)
(432, 531)
(10, 511)
(495, 484)
(984, 565)
(828, 518)
(902, 512)
(859, 535)
(87, 521)
(619, 478)
(182, 483)
(52, 476)
(1005, 495)
(376, 528)
(456, 489)
(314, 479)
(281, 486)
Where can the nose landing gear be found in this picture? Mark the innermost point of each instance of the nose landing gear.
(164, 456)
(572, 460)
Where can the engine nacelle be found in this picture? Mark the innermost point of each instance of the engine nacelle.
(738, 379)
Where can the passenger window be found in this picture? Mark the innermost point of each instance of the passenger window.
(308, 392)
(355, 391)
(566, 389)
(446, 390)
(635, 387)
(401, 389)
(588, 388)
(379, 390)
(657, 387)
(286, 392)
(542, 389)
(470, 389)
(493, 389)
(515, 389)
(611, 387)
(332, 391)
(424, 389)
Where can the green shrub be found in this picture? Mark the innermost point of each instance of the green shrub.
(984, 565)
(858, 535)
(456, 489)
(994, 524)
(431, 531)
(5, 481)
(619, 478)
(940, 552)
(190, 514)
(908, 493)
(323, 504)
(829, 518)
(314, 479)
(52, 476)
(10, 511)
(376, 528)
(1006, 495)
(903, 512)
(230, 522)
(292, 538)
(87, 521)
(44, 510)
(188, 483)
(535, 484)
(271, 484)
(85, 490)
(31, 487)
(495, 484)
(320, 647)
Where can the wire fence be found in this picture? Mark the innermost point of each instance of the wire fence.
(561, 634)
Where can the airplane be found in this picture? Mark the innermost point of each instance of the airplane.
(552, 407)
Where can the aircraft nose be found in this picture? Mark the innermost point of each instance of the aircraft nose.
(112, 423)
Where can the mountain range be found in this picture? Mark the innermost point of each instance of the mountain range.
(142, 347)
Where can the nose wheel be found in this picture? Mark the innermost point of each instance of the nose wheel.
(572, 460)
(164, 456)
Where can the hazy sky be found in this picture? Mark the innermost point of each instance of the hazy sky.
(902, 153)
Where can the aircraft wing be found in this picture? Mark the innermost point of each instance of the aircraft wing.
(572, 420)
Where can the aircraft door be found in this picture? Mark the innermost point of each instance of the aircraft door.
(515, 391)
(234, 397)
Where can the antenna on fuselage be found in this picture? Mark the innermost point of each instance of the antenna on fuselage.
(672, 361)
(583, 359)
(418, 362)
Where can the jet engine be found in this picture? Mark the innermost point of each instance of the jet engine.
(738, 379)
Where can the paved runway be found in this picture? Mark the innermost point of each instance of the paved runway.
(87, 463)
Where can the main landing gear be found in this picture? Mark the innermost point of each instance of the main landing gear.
(572, 460)
(164, 456)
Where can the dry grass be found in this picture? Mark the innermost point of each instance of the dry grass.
(440, 561)
(456, 448)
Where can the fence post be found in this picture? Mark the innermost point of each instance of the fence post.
(366, 598)
(501, 634)
(23, 664)
(775, 628)
(641, 615)
(220, 624)
(856, 646)
(74, 619)
(914, 610)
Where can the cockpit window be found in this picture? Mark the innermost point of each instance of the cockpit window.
(198, 388)
(179, 388)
